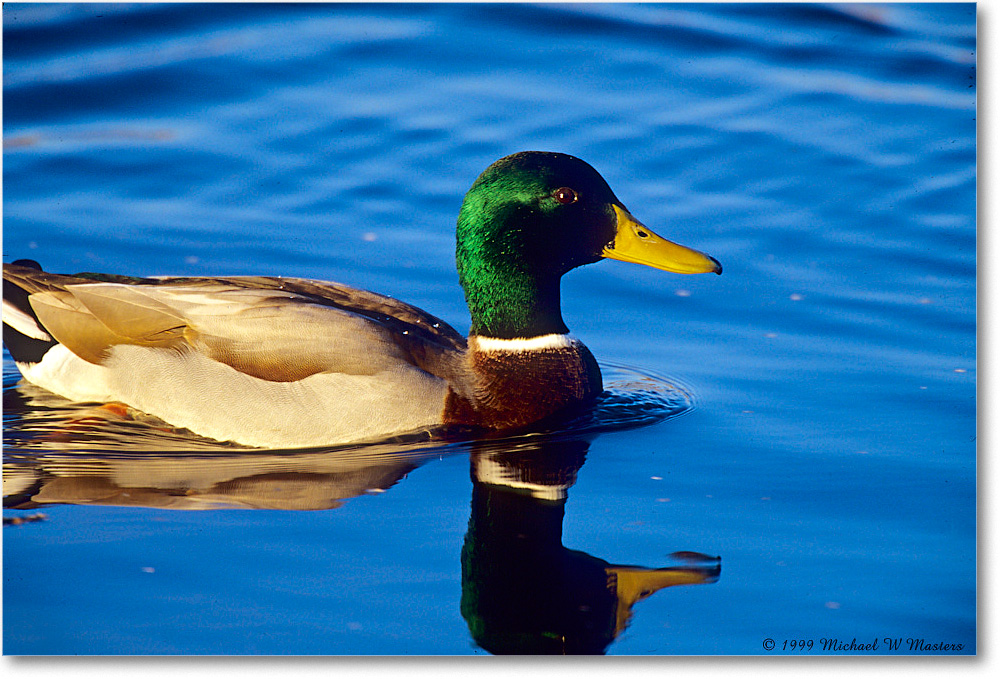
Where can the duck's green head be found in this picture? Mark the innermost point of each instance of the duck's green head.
(533, 216)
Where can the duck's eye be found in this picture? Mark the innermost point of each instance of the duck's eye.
(565, 195)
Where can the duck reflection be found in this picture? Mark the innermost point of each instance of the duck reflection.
(522, 590)
(301, 481)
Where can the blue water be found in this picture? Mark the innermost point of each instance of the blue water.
(809, 416)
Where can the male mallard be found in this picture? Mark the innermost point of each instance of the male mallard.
(288, 362)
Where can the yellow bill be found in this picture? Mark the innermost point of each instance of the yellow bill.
(635, 243)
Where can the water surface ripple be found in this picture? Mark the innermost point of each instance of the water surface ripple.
(824, 153)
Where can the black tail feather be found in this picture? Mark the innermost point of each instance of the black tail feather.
(24, 349)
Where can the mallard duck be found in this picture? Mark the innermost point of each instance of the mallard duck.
(288, 362)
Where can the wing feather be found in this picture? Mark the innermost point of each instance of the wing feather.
(276, 329)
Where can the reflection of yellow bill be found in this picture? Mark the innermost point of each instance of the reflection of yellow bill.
(632, 584)
(635, 243)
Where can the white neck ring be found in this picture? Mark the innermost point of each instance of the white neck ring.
(551, 341)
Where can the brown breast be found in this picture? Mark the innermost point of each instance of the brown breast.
(516, 386)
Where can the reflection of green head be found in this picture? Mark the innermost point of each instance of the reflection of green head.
(522, 591)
